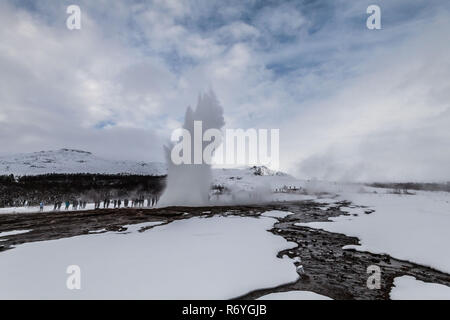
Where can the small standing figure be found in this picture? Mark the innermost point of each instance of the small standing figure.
(41, 206)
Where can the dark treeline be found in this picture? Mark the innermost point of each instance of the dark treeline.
(413, 186)
(51, 188)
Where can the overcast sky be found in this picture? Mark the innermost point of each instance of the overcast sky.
(350, 103)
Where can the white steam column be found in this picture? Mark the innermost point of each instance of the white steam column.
(189, 184)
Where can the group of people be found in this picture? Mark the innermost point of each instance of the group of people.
(132, 203)
(106, 203)
(58, 204)
(75, 205)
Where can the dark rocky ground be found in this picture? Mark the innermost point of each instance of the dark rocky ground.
(328, 269)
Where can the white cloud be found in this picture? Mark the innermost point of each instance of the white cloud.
(284, 19)
(389, 123)
(350, 103)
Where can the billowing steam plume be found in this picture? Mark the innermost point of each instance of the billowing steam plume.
(189, 184)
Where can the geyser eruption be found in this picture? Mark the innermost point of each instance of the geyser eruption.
(189, 184)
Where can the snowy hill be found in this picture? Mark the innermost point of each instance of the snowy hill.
(253, 178)
(77, 161)
(73, 161)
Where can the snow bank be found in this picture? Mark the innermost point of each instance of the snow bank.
(12, 233)
(407, 227)
(47, 208)
(276, 214)
(141, 226)
(294, 295)
(197, 258)
(408, 288)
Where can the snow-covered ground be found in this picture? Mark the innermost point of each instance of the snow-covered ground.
(294, 295)
(407, 227)
(32, 209)
(257, 185)
(276, 214)
(12, 233)
(409, 288)
(197, 258)
(411, 227)
(253, 178)
(49, 208)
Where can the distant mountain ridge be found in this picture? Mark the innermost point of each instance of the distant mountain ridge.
(72, 161)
